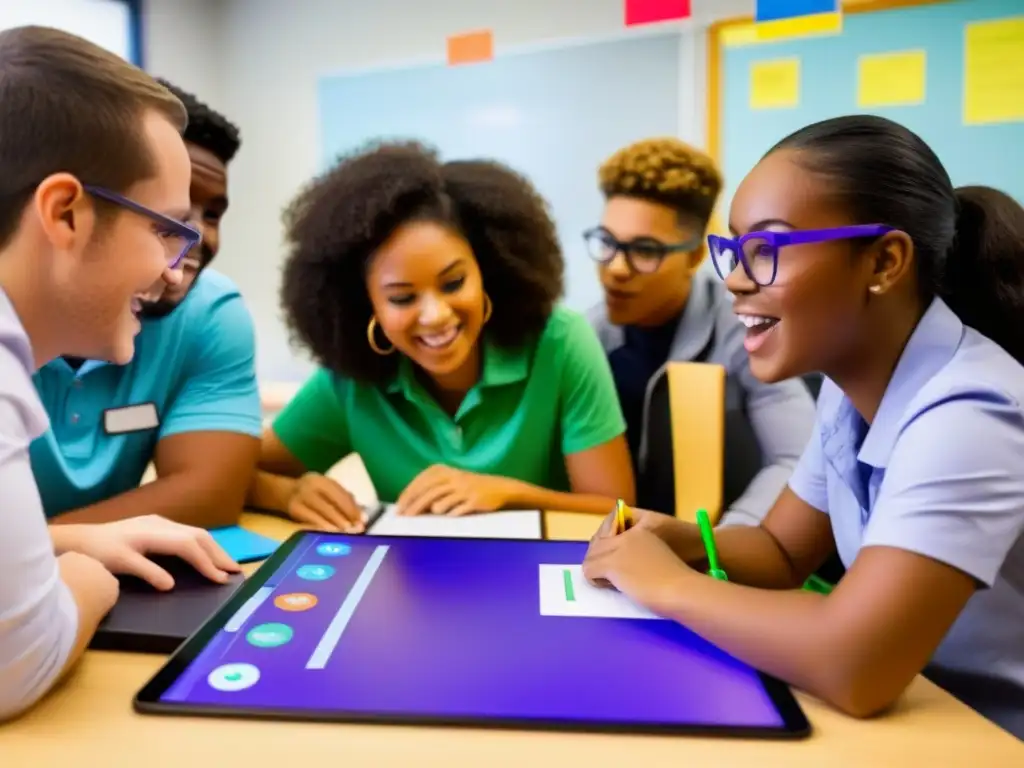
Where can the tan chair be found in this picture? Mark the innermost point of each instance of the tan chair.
(696, 393)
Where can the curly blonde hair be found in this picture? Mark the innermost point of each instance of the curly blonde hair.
(666, 171)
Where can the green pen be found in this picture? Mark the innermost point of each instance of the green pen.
(708, 537)
(817, 584)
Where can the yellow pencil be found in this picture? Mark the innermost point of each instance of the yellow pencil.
(623, 517)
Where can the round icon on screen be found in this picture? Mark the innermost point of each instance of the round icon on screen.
(315, 572)
(295, 601)
(233, 677)
(333, 549)
(269, 635)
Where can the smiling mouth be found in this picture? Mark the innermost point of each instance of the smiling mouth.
(439, 341)
(617, 295)
(759, 329)
(758, 323)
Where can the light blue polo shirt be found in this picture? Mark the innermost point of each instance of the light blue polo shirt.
(940, 473)
(193, 370)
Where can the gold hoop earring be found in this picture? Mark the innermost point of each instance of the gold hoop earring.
(371, 331)
(488, 308)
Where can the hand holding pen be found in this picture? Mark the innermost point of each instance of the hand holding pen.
(625, 519)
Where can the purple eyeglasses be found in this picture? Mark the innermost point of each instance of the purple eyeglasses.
(179, 237)
(758, 252)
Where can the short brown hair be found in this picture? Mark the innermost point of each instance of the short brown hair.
(68, 105)
(666, 171)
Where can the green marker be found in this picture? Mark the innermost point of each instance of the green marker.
(708, 537)
(817, 584)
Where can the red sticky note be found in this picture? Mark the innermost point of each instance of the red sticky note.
(651, 11)
(471, 47)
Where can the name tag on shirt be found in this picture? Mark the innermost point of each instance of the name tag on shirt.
(131, 418)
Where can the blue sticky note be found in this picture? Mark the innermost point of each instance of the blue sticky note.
(773, 10)
(244, 546)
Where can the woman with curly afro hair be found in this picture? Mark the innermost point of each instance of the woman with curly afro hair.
(660, 306)
(427, 291)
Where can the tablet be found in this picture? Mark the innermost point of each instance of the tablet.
(146, 620)
(456, 631)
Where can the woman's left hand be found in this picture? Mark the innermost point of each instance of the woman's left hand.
(442, 490)
(640, 565)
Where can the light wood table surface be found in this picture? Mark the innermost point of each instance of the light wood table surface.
(89, 721)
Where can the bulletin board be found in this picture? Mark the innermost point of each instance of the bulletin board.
(952, 71)
(553, 114)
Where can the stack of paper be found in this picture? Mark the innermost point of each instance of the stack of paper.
(508, 524)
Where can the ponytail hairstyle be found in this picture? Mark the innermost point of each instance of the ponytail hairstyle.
(984, 277)
(968, 242)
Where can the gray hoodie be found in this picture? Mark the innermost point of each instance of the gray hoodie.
(767, 425)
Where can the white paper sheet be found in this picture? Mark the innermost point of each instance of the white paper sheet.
(565, 592)
(508, 524)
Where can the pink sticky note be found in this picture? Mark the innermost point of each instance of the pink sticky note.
(651, 11)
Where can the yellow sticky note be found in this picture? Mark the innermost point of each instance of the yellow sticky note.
(775, 84)
(994, 71)
(891, 79)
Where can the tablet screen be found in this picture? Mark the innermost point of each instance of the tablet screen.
(458, 631)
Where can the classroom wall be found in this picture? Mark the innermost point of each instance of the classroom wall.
(182, 42)
(272, 53)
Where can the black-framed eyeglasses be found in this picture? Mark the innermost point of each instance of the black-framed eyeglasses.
(643, 254)
(179, 238)
(758, 252)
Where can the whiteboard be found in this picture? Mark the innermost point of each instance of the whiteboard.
(554, 115)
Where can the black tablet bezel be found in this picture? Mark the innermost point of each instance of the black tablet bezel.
(147, 701)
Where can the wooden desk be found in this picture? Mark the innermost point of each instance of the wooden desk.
(89, 721)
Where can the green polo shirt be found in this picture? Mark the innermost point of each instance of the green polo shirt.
(532, 407)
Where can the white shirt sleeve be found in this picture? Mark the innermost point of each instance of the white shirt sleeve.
(954, 489)
(809, 480)
(38, 615)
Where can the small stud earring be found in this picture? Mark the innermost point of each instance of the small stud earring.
(875, 289)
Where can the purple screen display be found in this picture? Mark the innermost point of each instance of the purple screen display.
(453, 629)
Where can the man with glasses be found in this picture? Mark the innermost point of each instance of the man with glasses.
(94, 183)
(188, 402)
(660, 306)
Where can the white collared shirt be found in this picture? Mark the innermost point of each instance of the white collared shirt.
(38, 615)
(939, 473)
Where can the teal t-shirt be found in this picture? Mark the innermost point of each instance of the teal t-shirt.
(193, 370)
(530, 409)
